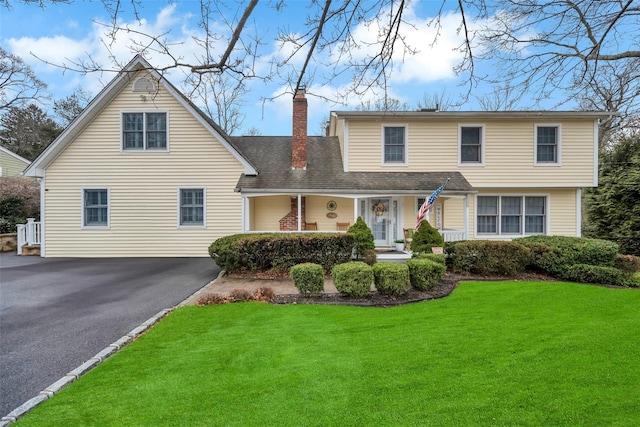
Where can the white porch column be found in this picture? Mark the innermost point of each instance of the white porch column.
(246, 214)
(299, 212)
(355, 210)
(466, 216)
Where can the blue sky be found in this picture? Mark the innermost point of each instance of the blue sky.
(70, 31)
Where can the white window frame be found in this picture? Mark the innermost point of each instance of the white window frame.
(204, 207)
(384, 162)
(558, 161)
(498, 234)
(144, 132)
(482, 144)
(418, 204)
(83, 217)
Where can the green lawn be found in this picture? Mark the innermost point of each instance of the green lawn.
(505, 353)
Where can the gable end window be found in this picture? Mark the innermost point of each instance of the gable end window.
(394, 145)
(191, 207)
(547, 144)
(144, 131)
(95, 207)
(511, 215)
(471, 144)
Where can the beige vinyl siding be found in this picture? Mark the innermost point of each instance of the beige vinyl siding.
(509, 151)
(317, 211)
(453, 213)
(269, 211)
(563, 212)
(10, 165)
(143, 187)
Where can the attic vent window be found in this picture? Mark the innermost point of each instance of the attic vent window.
(144, 84)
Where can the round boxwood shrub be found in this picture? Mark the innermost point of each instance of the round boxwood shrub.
(308, 278)
(424, 273)
(391, 278)
(353, 278)
(426, 238)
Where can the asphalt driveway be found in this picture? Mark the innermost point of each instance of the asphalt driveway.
(57, 313)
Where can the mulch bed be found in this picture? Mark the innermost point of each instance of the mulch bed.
(448, 283)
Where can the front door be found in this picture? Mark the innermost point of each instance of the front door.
(380, 221)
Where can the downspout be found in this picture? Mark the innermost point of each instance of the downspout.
(579, 212)
(43, 190)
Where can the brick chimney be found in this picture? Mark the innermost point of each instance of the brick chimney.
(299, 135)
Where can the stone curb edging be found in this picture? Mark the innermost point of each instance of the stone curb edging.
(85, 367)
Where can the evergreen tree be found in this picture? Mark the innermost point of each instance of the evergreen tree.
(27, 131)
(426, 238)
(613, 208)
(363, 238)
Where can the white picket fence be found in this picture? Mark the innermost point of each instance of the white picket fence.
(29, 234)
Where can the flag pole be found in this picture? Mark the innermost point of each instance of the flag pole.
(422, 212)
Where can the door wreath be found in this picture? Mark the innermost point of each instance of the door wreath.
(379, 209)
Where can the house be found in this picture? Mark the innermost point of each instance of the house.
(11, 164)
(143, 172)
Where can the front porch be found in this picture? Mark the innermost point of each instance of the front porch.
(388, 217)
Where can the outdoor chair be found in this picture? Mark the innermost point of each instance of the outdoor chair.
(343, 226)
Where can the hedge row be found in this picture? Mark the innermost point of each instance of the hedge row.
(488, 257)
(263, 252)
(554, 254)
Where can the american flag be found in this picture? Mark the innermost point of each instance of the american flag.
(422, 212)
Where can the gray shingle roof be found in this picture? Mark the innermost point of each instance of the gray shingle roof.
(271, 155)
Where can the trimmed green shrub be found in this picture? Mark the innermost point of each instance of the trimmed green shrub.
(280, 251)
(426, 238)
(585, 273)
(424, 273)
(490, 257)
(553, 253)
(450, 251)
(308, 278)
(353, 278)
(363, 238)
(634, 280)
(439, 258)
(391, 278)
(627, 263)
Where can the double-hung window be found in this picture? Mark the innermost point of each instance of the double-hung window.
(547, 145)
(511, 215)
(191, 209)
(144, 131)
(394, 145)
(471, 144)
(95, 207)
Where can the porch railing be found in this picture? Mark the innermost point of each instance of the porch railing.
(29, 234)
(453, 235)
